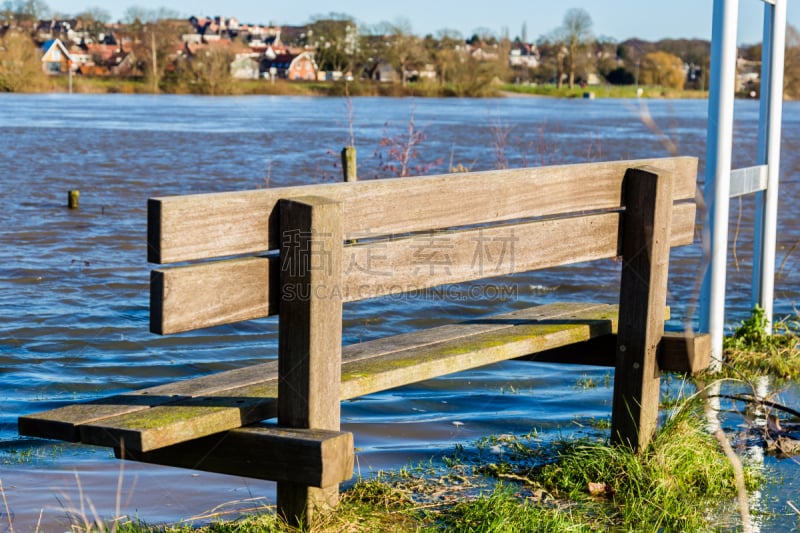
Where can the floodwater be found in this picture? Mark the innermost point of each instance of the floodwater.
(74, 283)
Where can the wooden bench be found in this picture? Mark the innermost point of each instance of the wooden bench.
(301, 252)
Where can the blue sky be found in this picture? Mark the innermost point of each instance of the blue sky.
(620, 19)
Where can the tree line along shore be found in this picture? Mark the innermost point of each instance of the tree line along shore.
(155, 51)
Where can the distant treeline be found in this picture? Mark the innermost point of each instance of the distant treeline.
(155, 51)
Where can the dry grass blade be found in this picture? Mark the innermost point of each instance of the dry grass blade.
(792, 506)
(738, 470)
(8, 510)
(249, 505)
(647, 119)
(786, 258)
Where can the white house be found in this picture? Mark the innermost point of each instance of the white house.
(55, 57)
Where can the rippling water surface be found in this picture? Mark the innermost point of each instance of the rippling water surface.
(74, 283)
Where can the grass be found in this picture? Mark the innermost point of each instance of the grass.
(602, 91)
(677, 484)
(28, 455)
(750, 351)
(99, 85)
(507, 483)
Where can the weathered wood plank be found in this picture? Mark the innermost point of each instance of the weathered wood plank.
(309, 337)
(402, 368)
(299, 458)
(313, 457)
(677, 352)
(423, 261)
(193, 227)
(181, 420)
(240, 289)
(144, 419)
(63, 423)
(684, 352)
(643, 294)
(211, 294)
(310, 326)
(553, 312)
(365, 370)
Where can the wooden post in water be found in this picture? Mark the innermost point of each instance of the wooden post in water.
(643, 293)
(73, 198)
(349, 165)
(309, 336)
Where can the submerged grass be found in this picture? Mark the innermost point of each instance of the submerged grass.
(681, 482)
(750, 351)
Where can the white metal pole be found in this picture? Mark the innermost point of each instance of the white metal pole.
(763, 140)
(718, 169)
(772, 61)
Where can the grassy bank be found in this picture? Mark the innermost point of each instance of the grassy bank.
(682, 482)
(602, 91)
(686, 480)
(106, 85)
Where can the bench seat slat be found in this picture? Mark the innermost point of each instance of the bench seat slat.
(62, 423)
(224, 452)
(511, 338)
(367, 367)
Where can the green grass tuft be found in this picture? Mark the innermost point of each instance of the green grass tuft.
(504, 511)
(750, 351)
(680, 480)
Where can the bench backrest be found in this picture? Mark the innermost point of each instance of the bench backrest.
(398, 235)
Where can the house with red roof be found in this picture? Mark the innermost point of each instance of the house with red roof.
(290, 66)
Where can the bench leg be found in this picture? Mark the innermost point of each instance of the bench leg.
(309, 336)
(645, 251)
(298, 504)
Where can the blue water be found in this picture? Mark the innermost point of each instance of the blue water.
(74, 283)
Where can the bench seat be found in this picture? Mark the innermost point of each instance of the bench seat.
(165, 415)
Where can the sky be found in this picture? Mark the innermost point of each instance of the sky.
(619, 19)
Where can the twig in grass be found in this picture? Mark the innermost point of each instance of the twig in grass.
(500, 134)
(758, 401)
(738, 470)
(8, 511)
(219, 511)
(118, 501)
(786, 257)
(792, 506)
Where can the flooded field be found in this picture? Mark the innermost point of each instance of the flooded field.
(74, 283)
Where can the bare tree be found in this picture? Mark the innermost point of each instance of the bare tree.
(156, 32)
(31, 10)
(208, 72)
(553, 53)
(335, 37)
(577, 35)
(20, 63)
(444, 53)
(94, 20)
(406, 49)
(791, 71)
(662, 69)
